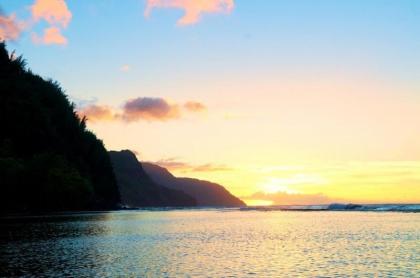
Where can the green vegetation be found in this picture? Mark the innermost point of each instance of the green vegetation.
(48, 160)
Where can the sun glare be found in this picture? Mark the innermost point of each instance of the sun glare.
(285, 184)
(257, 203)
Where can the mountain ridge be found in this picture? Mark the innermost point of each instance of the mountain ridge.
(205, 192)
(137, 189)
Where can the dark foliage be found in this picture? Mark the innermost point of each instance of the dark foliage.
(48, 160)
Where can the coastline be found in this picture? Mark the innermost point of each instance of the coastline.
(404, 208)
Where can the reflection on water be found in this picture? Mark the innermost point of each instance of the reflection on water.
(212, 243)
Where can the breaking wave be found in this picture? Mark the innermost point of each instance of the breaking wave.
(341, 207)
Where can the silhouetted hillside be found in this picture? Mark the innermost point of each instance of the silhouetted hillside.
(206, 193)
(138, 190)
(48, 160)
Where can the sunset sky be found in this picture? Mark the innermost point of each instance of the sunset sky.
(282, 102)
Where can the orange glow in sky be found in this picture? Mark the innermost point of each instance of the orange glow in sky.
(282, 103)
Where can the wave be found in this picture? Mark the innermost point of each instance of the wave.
(340, 207)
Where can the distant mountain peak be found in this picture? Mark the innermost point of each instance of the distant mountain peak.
(138, 189)
(205, 192)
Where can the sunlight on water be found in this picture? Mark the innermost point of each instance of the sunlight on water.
(213, 243)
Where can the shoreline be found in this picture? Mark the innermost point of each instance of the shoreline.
(404, 208)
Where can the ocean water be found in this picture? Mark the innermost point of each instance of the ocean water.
(213, 243)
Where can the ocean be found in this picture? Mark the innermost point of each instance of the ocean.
(212, 243)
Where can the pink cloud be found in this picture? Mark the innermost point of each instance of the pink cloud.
(57, 15)
(52, 35)
(138, 109)
(96, 113)
(148, 108)
(193, 9)
(55, 12)
(9, 28)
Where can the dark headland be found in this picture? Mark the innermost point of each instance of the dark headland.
(205, 193)
(50, 161)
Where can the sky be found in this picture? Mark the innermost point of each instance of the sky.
(282, 102)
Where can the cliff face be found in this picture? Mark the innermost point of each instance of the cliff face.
(206, 193)
(48, 160)
(138, 190)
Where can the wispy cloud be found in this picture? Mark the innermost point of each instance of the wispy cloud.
(193, 9)
(211, 168)
(10, 29)
(171, 164)
(176, 165)
(194, 106)
(137, 109)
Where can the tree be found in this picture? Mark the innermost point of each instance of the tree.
(48, 159)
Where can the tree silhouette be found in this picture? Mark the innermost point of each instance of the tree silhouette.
(48, 159)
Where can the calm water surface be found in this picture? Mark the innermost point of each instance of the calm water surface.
(213, 243)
